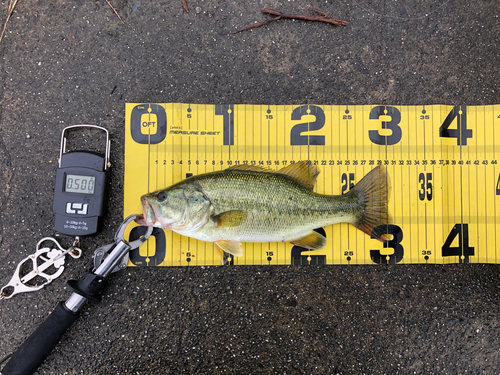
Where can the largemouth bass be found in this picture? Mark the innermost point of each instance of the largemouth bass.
(247, 203)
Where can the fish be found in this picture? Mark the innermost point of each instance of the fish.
(248, 203)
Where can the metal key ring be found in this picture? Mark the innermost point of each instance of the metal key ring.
(121, 230)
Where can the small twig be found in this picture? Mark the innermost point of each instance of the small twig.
(12, 4)
(256, 25)
(325, 18)
(184, 4)
(320, 12)
(114, 10)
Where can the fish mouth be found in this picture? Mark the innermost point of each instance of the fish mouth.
(148, 217)
(151, 215)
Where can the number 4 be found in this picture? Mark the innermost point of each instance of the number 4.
(461, 133)
(463, 249)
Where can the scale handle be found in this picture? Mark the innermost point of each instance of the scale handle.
(41, 342)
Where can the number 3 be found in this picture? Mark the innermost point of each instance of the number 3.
(395, 137)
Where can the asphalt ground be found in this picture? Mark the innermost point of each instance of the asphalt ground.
(70, 62)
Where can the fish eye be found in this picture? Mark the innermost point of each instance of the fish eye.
(161, 196)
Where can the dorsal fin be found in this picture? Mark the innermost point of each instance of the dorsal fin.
(301, 172)
(248, 167)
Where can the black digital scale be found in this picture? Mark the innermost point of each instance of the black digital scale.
(81, 188)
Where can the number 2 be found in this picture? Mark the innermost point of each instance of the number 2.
(296, 137)
(347, 183)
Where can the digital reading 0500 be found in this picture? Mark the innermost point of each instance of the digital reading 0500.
(80, 184)
(81, 187)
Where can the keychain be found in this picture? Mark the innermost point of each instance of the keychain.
(51, 258)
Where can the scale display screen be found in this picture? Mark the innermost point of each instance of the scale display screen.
(79, 184)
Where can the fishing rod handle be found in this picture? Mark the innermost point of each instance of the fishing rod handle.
(31, 354)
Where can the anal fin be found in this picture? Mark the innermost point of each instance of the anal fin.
(231, 247)
(311, 241)
(219, 252)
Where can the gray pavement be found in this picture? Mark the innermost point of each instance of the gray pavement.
(68, 62)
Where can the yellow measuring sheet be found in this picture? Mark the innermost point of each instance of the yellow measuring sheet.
(441, 161)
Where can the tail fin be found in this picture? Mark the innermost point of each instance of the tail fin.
(373, 195)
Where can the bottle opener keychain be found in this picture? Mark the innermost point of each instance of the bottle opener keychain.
(50, 258)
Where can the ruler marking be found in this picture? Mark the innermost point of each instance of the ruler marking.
(165, 158)
(352, 121)
(268, 139)
(462, 214)
(486, 247)
(425, 171)
(459, 125)
(253, 135)
(308, 138)
(412, 186)
(434, 248)
(332, 171)
(260, 135)
(408, 176)
(348, 182)
(383, 161)
(365, 133)
(357, 150)
(386, 176)
(477, 248)
(276, 145)
(433, 192)
(495, 180)
(445, 189)
(189, 141)
(149, 156)
(235, 122)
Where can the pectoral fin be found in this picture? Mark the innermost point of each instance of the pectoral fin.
(230, 218)
(312, 241)
(231, 247)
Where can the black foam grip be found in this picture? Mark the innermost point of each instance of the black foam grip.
(40, 343)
